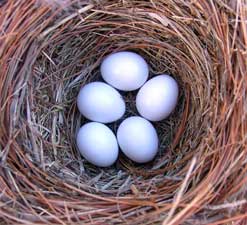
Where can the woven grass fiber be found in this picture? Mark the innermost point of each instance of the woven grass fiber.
(49, 49)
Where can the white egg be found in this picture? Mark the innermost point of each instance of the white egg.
(100, 102)
(126, 71)
(97, 144)
(138, 139)
(157, 98)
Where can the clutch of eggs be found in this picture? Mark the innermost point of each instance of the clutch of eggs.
(102, 103)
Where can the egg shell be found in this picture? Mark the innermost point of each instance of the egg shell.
(97, 144)
(98, 101)
(138, 139)
(126, 71)
(157, 98)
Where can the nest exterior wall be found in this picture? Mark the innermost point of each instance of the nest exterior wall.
(49, 49)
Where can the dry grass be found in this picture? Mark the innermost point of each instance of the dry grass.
(49, 49)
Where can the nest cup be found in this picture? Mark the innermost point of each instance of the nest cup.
(50, 49)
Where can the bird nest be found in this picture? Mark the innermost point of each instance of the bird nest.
(49, 49)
